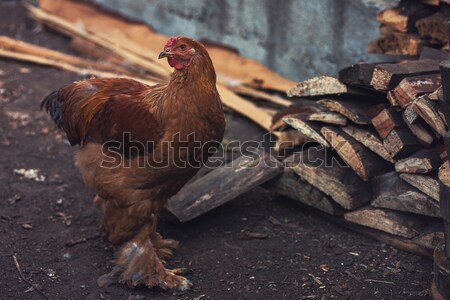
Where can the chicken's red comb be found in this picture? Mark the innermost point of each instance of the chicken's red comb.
(170, 42)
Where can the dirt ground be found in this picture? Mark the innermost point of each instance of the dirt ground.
(302, 257)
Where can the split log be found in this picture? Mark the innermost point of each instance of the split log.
(357, 74)
(400, 143)
(396, 241)
(358, 112)
(369, 139)
(431, 237)
(332, 177)
(436, 95)
(429, 112)
(391, 192)
(206, 194)
(418, 127)
(421, 162)
(292, 186)
(428, 184)
(318, 86)
(392, 222)
(307, 128)
(386, 120)
(387, 76)
(434, 27)
(403, 17)
(412, 87)
(433, 53)
(363, 161)
(397, 43)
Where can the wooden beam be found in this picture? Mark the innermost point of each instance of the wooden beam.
(434, 27)
(370, 139)
(403, 17)
(357, 74)
(363, 161)
(292, 186)
(358, 112)
(392, 222)
(397, 43)
(428, 184)
(401, 142)
(391, 192)
(429, 112)
(205, 194)
(332, 177)
(412, 87)
(307, 128)
(387, 76)
(418, 127)
(385, 121)
(422, 162)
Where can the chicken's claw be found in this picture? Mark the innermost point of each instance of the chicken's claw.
(139, 264)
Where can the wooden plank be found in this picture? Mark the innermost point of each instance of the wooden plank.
(433, 53)
(418, 127)
(358, 112)
(422, 162)
(401, 142)
(307, 128)
(292, 186)
(397, 43)
(406, 244)
(357, 75)
(318, 86)
(327, 174)
(436, 95)
(392, 222)
(434, 27)
(428, 184)
(412, 87)
(403, 17)
(391, 192)
(248, 91)
(386, 120)
(223, 184)
(387, 76)
(429, 112)
(369, 139)
(363, 161)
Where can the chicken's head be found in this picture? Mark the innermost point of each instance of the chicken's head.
(180, 52)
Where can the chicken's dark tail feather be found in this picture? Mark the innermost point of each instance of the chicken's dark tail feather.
(53, 106)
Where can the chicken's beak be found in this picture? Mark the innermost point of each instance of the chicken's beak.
(164, 54)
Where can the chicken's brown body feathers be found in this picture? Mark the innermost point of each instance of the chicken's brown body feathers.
(133, 182)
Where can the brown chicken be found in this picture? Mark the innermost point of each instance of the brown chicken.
(139, 145)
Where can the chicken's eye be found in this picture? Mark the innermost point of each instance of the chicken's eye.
(182, 47)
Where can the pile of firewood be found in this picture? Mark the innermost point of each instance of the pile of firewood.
(378, 145)
(412, 25)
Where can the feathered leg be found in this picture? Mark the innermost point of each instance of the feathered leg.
(164, 247)
(138, 263)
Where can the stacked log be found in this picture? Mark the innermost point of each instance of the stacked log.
(378, 170)
(412, 25)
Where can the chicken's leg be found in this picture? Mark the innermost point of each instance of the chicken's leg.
(137, 263)
(164, 247)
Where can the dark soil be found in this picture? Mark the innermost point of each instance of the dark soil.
(302, 257)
